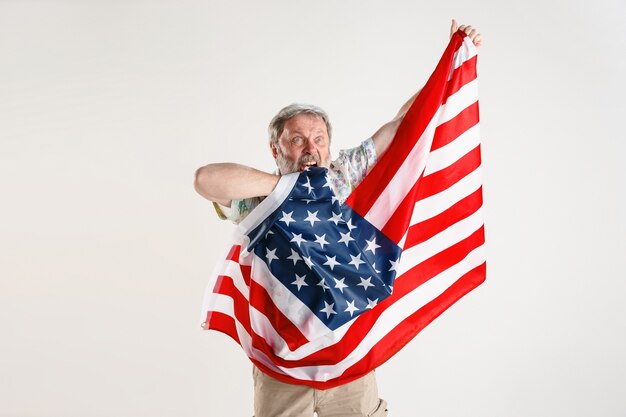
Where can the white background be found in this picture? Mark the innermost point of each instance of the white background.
(108, 107)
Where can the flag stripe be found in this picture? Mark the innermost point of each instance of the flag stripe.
(445, 178)
(452, 152)
(431, 206)
(423, 231)
(450, 130)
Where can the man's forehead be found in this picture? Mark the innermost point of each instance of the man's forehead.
(304, 123)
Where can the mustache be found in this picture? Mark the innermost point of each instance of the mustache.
(308, 158)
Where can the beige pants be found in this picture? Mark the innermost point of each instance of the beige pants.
(358, 398)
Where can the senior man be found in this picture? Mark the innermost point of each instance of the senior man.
(299, 137)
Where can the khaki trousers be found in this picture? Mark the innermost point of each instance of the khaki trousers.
(359, 398)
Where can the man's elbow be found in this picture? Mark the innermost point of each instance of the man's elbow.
(385, 135)
(206, 182)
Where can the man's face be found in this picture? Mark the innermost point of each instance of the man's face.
(304, 142)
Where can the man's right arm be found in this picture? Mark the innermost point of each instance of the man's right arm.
(223, 182)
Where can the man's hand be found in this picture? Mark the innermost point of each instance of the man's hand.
(471, 32)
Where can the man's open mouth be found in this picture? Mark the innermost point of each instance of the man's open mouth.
(306, 165)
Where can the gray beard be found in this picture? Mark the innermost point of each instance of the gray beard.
(284, 165)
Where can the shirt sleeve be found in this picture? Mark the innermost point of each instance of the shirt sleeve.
(358, 161)
(238, 209)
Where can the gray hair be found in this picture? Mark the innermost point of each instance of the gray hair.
(277, 125)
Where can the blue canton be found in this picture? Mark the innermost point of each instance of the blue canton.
(327, 255)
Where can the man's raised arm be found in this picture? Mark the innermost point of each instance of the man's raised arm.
(384, 136)
(223, 182)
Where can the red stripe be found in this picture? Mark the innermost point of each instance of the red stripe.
(223, 323)
(413, 124)
(455, 127)
(445, 178)
(464, 74)
(261, 300)
(420, 232)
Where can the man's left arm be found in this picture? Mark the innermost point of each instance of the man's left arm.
(384, 136)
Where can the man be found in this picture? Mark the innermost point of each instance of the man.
(300, 137)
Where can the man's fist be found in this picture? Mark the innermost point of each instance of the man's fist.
(471, 32)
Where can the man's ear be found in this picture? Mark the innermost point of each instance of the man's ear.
(274, 150)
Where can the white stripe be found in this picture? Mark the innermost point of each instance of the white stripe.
(269, 204)
(233, 269)
(435, 204)
(223, 304)
(466, 51)
(453, 151)
(459, 101)
(441, 241)
(262, 326)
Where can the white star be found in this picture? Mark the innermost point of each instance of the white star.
(269, 232)
(270, 255)
(351, 308)
(308, 261)
(322, 284)
(328, 309)
(321, 240)
(306, 200)
(356, 261)
(339, 284)
(300, 281)
(312, 217)
(287, 218)
(297, 238)
(394, 265)
(295, 257)
(371, 303)
(308, 185)
(366, 283)
(345, 238)
(372, 246)
(374, 267)
(334, 199)
(327, 181)
(331, 261)
(336, 218)
(350, 226)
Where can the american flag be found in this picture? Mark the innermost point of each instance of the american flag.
(320, 293)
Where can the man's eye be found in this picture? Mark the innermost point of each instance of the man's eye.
(297, 140)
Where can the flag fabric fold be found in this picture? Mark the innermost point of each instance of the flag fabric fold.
(320, 293)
